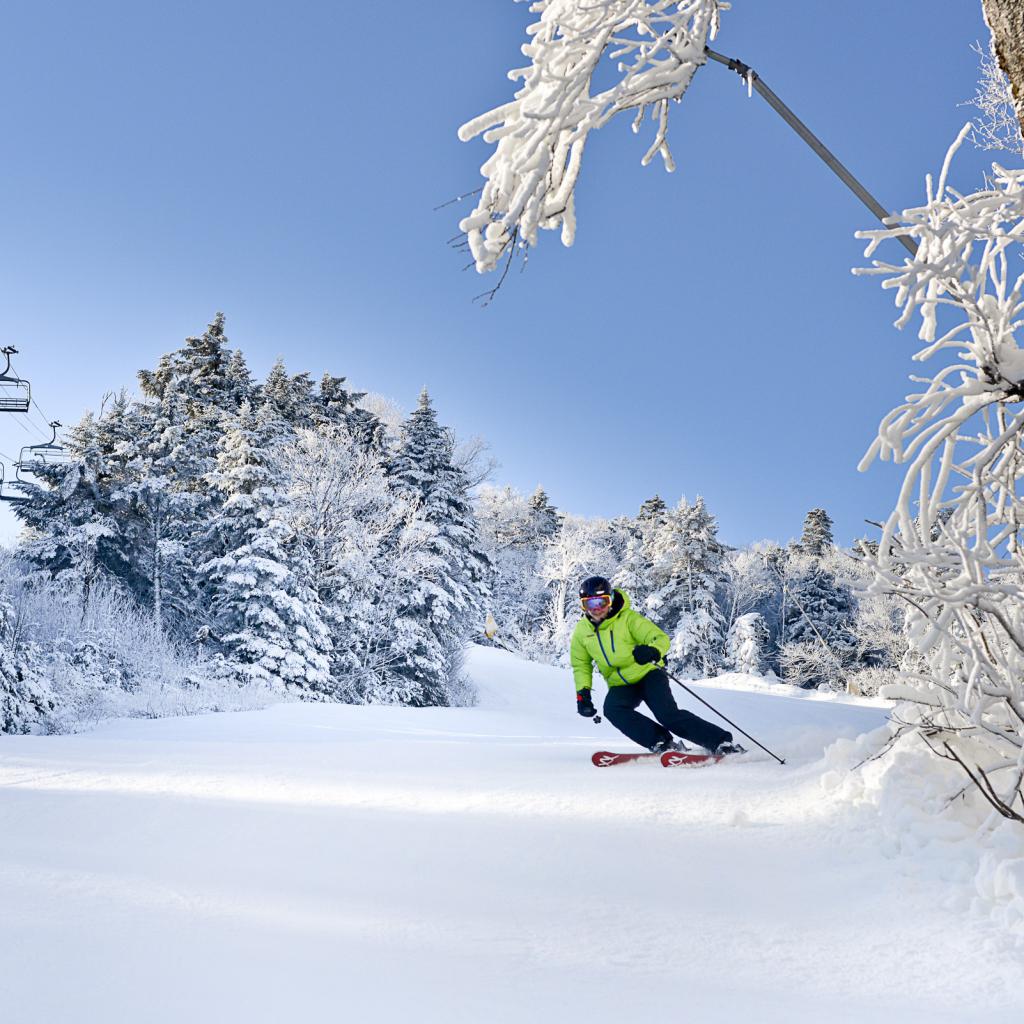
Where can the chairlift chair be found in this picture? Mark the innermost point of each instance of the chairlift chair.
(12, 498)
(15, 393)
(35, 457)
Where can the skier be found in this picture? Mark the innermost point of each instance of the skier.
(627, 648)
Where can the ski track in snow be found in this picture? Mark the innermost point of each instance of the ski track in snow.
(322, 862)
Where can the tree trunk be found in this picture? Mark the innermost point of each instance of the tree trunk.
(1005, 19)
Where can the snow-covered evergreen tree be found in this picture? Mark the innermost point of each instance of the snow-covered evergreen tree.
(636, 562)
(752, 585)
(442, 592)
(342, 510)
(289, 396)
(25, 696)
(817, 535)
(820, 644)
(687, 574)
(544, 517)
(514, 532)
(746, 645)
(264, 612)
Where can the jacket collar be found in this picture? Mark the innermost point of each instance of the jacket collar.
(618, 603)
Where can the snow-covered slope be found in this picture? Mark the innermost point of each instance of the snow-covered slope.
(324, 862)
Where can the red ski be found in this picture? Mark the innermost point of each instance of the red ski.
(685, 759)
(605, 758)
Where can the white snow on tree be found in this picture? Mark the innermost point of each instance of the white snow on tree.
(819, 643)
(264, 611)
(686, 573)
(443, 589)
(746, 645)
(817, 535)
(513, 533)
(951, 547)
(25, 697)
(655, 47)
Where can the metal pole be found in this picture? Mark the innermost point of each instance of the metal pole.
(748, 74)
(720, 715)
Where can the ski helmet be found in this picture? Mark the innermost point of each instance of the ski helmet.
(595, 586)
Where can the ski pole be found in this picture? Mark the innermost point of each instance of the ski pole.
(721, 716)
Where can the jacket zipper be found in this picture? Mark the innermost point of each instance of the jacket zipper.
(597, 630)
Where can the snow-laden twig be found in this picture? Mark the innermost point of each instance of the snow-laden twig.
(951, 550)
(540, 136)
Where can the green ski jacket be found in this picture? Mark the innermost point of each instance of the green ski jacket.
(610, 643)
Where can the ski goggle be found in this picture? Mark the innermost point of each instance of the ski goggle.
(596, 603)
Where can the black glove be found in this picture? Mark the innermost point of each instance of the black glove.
(584, 705)
(645, 654)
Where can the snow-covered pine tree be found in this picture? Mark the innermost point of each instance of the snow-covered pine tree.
(634, 573)
(820, 643)
(687, 574)
(652, 510)
(72, 514)
(334, 403)
(545, 519)
(25, 696)
(289, 396)
(746, 645)
(262, 610)
(441, 594)
(752, 584)
(817, 536)
(514, 532)
(341, 508)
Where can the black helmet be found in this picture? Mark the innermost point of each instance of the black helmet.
(595, 586)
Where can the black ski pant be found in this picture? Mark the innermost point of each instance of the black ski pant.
(653, 690)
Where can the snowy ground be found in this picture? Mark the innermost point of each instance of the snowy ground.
(312, 862)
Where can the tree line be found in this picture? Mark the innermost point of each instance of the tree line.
(218, 542)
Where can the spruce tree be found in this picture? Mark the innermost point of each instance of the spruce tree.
(440, 594)
(817, 535)
(263, 611)
(820, 616)
(25, 696)
(652, 510)
(334, 403)
(290, 397)
(747, 644)
(687, 572)
(544, 517)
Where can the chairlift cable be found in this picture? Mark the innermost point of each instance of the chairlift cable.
(43, 429)
(32, 419)
(46, 419)
(27, 431)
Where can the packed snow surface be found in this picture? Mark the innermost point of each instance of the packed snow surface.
(326, 862)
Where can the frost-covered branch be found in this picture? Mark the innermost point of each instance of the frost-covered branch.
(540, 136)
(951, 550)
(996, 126)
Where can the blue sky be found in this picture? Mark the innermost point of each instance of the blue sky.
(281, 162)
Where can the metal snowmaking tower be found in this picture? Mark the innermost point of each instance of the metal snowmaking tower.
(757, 84)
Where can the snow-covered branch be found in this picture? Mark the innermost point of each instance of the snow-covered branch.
(951, 550)
(540, 136)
